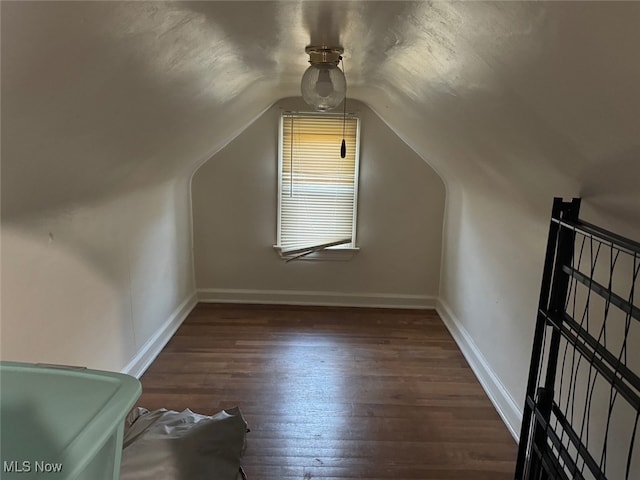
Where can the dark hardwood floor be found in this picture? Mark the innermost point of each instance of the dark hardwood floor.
(336, 393)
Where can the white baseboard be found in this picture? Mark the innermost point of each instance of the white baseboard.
(334, 299)
(150, 350)
(503, 402)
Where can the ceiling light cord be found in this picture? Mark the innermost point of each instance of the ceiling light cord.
(343, 146)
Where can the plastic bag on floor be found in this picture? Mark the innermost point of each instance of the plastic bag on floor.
(169, 445)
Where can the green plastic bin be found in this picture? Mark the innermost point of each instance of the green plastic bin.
(62, 422)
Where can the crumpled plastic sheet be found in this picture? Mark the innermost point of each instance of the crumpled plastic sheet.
(169, 445)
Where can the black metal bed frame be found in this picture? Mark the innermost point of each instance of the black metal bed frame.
(582, 404)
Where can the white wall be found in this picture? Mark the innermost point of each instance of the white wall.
(528, 116)
(103, 120)
(400, 212)
(91, 285)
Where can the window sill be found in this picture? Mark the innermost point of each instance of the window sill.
(329, 254)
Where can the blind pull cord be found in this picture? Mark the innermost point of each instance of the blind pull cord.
(343, 147)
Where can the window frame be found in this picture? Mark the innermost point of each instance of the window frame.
(338, 252)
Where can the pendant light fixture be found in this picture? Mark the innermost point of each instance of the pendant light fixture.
(323, 83)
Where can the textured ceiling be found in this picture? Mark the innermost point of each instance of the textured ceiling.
(102, 97)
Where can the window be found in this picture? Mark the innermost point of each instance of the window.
(317, 194)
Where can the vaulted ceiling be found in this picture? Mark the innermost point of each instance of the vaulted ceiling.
(101, 97)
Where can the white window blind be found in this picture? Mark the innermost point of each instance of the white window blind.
(318, 189)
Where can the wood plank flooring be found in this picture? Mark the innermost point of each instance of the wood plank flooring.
(336, 393)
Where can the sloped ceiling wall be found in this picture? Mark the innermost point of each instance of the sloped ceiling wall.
(498, 87)
(511, 102)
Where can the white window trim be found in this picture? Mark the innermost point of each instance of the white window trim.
(333, 253)
(330, 253)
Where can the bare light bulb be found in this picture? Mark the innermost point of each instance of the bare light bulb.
(324, 87)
